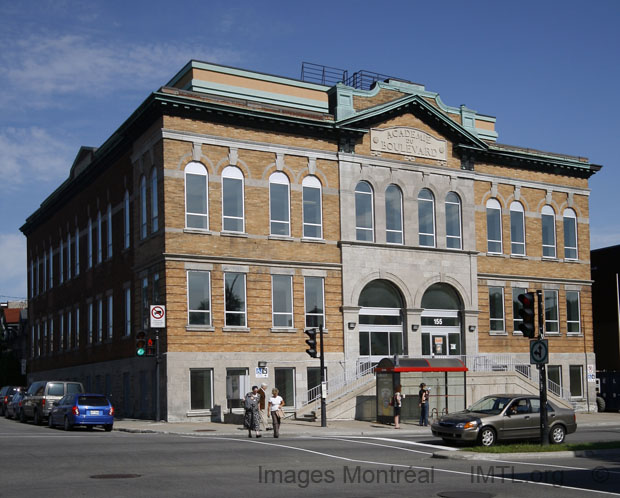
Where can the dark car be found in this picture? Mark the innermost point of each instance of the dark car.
(6, 394)
(42, 394)
(86, 410)
(503, 417)
(14, 407)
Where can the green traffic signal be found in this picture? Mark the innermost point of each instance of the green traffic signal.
(140, 343)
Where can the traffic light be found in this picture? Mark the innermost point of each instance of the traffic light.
(527, 314)
(150, 346)
(311, 342)
(140, 343)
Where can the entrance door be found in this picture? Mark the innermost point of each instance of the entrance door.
(381, 332)
(441, 333)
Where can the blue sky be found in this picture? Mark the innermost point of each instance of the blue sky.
(72, 71)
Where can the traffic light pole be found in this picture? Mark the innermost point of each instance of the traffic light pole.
(157, 361)
(544, 426)
(323, 386)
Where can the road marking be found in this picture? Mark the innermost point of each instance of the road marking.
(392, 440)
(385, 464)
(372, 444)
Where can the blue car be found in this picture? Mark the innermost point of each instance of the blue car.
(86, 410)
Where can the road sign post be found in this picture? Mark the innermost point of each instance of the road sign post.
(323, 383)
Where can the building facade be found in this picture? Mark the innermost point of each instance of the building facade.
(255, 207)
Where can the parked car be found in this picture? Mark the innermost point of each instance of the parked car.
(6, 394)
(14, 407)
(82, 409)
(503, 417)
(40, 396)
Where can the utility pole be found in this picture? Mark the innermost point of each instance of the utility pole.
(323, 383)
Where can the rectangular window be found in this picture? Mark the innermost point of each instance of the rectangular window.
(201, 389)
(109, 227)
(494, 228)
(154, 211)
(279, 209)
(314, 377)
(99, 320)
(51, 335)
(99, 239)
(69, 262)
(61, 333)
(199, 297)
(110, 315)
(517, 232)
(232, 203)
(516, 306)
(554, 377)
(89, 324)
(282, 300)
(496, 308)
(570, 237)
(548, 235)
(61, 265)
(284, 379)
(51, 267)
(576, 381)
(127, 311)
(315, 301)
(126, 215)
(573, 313)
(143, 208)
(69, 342)
(77, 327)
(237, 384)
(156, 295)
(77, 251)
(234, 291)
(43, 351)
(89, 258)
(44, 279)
(145, 303)
(551, 311)
(312, 213)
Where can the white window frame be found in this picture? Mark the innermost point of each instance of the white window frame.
(233, 173)
(578, 321)
(154, 201)
(306, 313)
(460, 207)
(503, 313)
(210, 372)
(494, 204)
(127, 219)
(571, 215)
(517, 207)
(312, 182)
(245, 302)
(198, 169)
(571, 367)
(434, 233)
(210, 310)
(279, 178)
(110, 309)
(548, 292)
(547, 211)
(402, 225)
(282, 313)
(370, 229)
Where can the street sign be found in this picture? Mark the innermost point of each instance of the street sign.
(539, 352)
(158, 316)
(262, 372)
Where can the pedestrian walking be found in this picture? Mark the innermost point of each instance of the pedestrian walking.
(251, 419)
(423, 404)
(398, 403)
(277, 414)
(264, 415)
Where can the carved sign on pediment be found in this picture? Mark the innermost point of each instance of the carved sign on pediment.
(408, 142)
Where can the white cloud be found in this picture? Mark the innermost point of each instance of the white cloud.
(38, 68)
(28, 154)
(12, 266)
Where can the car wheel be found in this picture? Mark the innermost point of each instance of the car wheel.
(67, 425)
(487, 436)
(37, 418)
(557, 434)
(600, 404)
(107, 427)
(22, 417)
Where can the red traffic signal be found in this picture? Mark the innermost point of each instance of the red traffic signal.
(311, 342)
(527, 314)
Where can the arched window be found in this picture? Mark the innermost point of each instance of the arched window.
(142, 207)
(453, 221)
(570, 234)
(364, 229)
(279, 204)
(426, 218)
(393, 215)
(312, 208)
(154, 211)
(517, 229)
(494, 226)
(196, 205)
(548, 232)
(232, 200)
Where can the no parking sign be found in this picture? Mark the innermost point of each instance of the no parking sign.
(158, 316)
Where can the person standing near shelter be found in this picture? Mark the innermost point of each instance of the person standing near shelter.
(264, 415)
(251, 420)
(398, 403)
(423, 404)
(275, 407)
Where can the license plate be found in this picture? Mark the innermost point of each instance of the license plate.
(95, 412)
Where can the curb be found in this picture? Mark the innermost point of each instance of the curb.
(471, 455)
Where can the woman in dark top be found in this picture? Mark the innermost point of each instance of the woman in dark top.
(423, 404)
(398, 403)
(251, 420)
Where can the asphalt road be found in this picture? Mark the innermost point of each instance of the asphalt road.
(38, 461)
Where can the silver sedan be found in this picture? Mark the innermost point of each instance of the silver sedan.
(503, 417)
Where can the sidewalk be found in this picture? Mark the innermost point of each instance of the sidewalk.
(292, 427)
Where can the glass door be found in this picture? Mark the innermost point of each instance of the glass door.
(380, 332)
(441, 333)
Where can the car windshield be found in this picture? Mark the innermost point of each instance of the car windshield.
(92, 401)
(491, 405)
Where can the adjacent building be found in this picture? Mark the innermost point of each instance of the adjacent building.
(255, 207)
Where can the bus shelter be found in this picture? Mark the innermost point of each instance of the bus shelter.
(446, 378)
